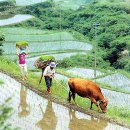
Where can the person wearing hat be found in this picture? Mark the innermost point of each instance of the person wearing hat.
(21, 52)
(48, 74)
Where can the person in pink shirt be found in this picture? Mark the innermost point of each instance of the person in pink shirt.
(22, 63)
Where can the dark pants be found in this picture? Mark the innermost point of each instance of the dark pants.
(48, 81)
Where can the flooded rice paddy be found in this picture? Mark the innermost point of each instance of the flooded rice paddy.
(15, 19)
(36, 35)
(117, 81)
(32, 112)
(86, 73)
(49, 46)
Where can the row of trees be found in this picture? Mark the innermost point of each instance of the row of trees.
(7, 5)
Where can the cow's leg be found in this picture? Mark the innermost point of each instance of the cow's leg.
(69, 96)
(73, 95)
(95, 102)
(91, 105)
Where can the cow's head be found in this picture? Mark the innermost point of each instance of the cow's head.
(103, 105)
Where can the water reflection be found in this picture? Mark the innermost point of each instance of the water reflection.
(24, 107)
(49, 119)
(47, 116)
(89, 123)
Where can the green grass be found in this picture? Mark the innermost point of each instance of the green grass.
(60, 91)
(1, 82)
(21, 43)
(23, 31)
(119, 113)
(127, 74)
(48, 57)
(35, 35)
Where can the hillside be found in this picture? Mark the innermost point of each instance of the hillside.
(112, 36)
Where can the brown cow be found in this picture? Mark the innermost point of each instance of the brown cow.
(87, 89)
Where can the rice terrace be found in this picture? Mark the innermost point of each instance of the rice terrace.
(64, 65)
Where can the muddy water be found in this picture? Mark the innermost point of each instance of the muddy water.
(32, 112)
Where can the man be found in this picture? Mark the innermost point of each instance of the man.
(48, 74)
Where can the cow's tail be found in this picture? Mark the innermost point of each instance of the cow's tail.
(70, 92)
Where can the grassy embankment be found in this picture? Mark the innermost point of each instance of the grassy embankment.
(60, 91)
(34, 35)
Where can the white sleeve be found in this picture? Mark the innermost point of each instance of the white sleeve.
(45, 71)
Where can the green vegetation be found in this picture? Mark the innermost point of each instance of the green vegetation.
(116, 112)
(21, 44)
(112, 35)
(35, 35)
(59, 89)
(5, 113)
(40, 38)
(1, 82)
(45, 58)
(7, 6)
(84, 60)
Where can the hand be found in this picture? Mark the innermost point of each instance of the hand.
(52, 76)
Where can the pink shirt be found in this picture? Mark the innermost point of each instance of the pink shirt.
(22, 59)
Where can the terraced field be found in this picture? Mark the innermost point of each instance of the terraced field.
(86, 73)
(117, 81)
(42, 41)
(73, 4)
